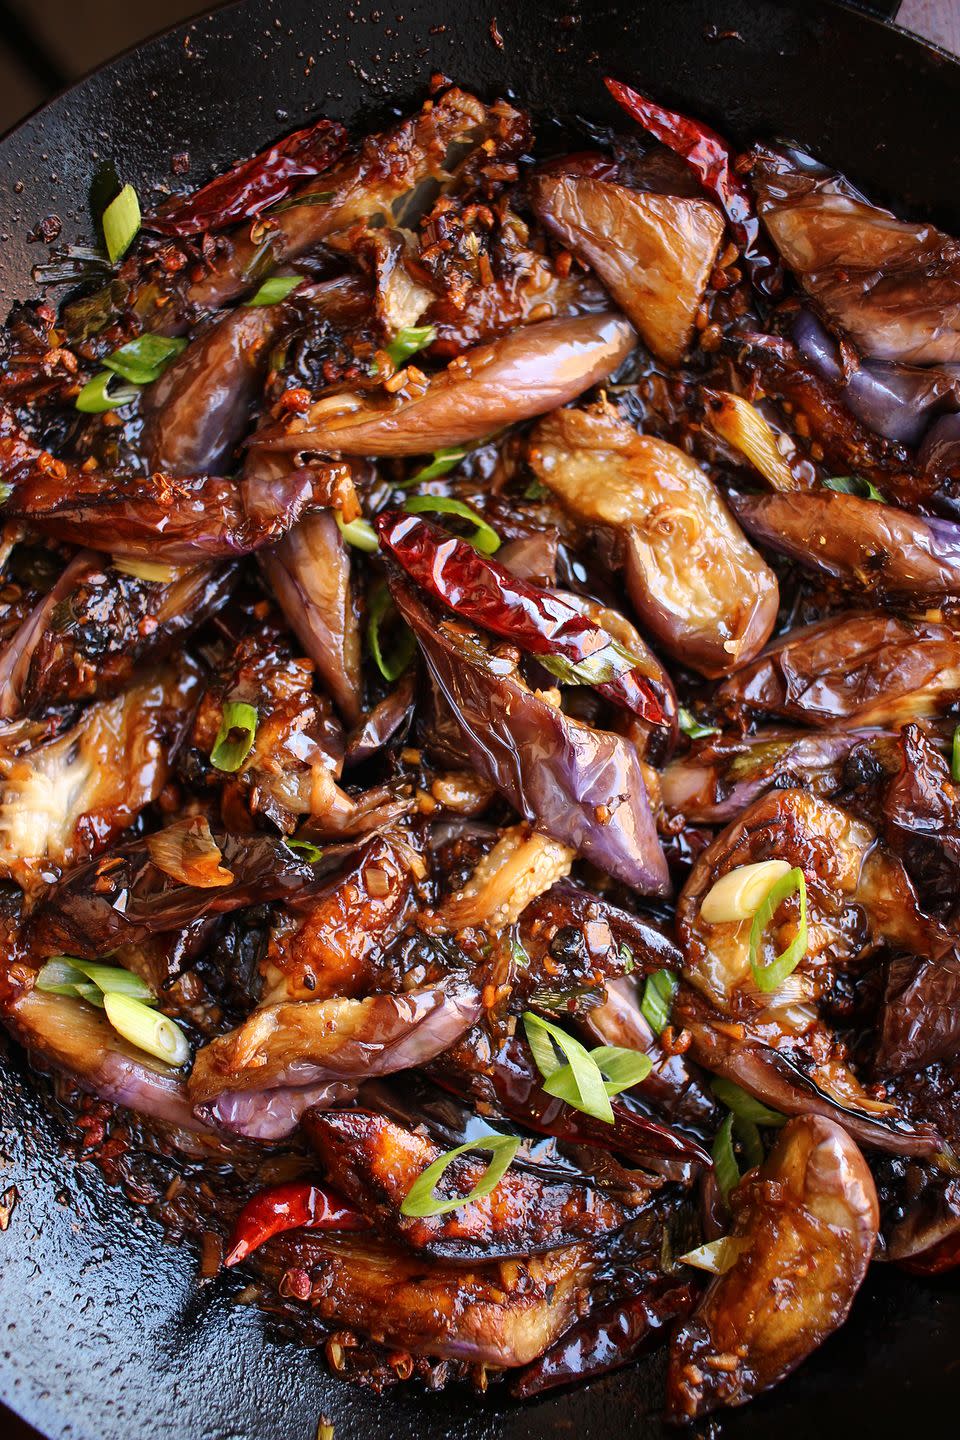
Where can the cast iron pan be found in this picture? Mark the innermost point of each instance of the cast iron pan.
(105, 1333)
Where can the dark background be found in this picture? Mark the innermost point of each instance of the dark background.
(47, 44)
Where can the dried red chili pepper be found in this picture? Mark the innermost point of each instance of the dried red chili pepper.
(297, 1205)
(711, 159)
(568, 643)
(241, 193)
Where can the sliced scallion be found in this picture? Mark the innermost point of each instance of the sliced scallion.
(725, 1165)
(620, 1067)
(89, 980)
(275, 289)
(143, 360)
(310, 852)
(97, 397)
(358, 533)
(115, 980)
(393, 660)
(717, 1257)
(485, 538)
(121, 222)
(578, 1082)
(442, 463)
(856, 485)
(658, 992)
(421, 1200)
(742, 1104)
(691, 726)
(955, 755)
(234, 741)
(147, 1029)
(408, 341)
(770, 977)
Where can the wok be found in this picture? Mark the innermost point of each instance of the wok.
(106, 1333)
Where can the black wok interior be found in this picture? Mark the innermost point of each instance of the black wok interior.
(105, 1331)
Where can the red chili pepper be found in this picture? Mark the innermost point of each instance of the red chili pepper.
(711, 159)
(537, 620)
(241, 193)
(294, 1206)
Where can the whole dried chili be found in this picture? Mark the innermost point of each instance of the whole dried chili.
(711, 159)
(243, 192)
(568, 643)
(297, 1205)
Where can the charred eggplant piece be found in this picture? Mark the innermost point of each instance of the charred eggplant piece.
(654, 253)
(375, 1162)
(856, 669)
(805, 1226)
(693, 578)
(259, 1080)
(870, 547)
(553, 770)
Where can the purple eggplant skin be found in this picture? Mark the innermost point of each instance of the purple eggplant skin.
(309, 574)
(610, 1340)
(181, 520)
(260, 1079)
(921, 814)
(198, 410)
(525, 373)
(771, 1078)
(583, 787)
(857, 669)
(869, 546)
(896, 401)
(892, 285)
(75, 1039)
(123, 897)
(716, 779)
(386, 720)
(920, 1016)
(84, 639)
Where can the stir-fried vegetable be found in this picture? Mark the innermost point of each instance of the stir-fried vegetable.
(422, 560)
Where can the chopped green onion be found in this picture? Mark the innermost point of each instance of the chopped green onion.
(275, 289)
(623, 1068)
(955, 755)
(716, 1258)
(420, 1198)
(725, 1164)
(115, 980)
(392, 664)
(518, 954)
(536, 490)
(856, 485)
(485, 538)
(144, 360)
(749, 1138)
(770, 977)
(310, 852)
(579, 1082)
(96, 397)
(235, 737)
(408, 341)
(608, 663)
(625, 956)
(358, 533)
(691, 726)
(147, 1029)
(744, 1105)
(121, 221)
(658, 992)
(442, 463)
(314, 197)
(156, 572)
(61, 977)
(87, 979)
